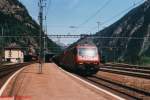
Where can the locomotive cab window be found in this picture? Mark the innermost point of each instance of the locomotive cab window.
(87, 52)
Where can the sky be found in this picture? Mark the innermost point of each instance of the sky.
(83, 15)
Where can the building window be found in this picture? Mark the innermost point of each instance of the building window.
(10, 53)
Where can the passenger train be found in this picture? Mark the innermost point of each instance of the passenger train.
(82, 58)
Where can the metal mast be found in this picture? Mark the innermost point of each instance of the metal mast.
(41, 38)
(98, 28)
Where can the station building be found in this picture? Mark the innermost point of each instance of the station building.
(14, 55)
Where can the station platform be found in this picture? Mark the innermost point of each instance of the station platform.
(52, 84)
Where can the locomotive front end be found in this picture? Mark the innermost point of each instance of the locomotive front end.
(88, 59)
(87, 55)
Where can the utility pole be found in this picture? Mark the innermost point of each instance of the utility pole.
(98, 23)
(45, 39)
(2, 42)
(42, 35)
(101, 49)
(44, 46)
(2, 50)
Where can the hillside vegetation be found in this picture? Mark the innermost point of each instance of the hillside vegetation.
(136, 26)
(15, 21)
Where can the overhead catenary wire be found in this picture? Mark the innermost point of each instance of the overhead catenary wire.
(89, 18)
(126, 10)
(95, 14)
(78, 36)
(118, 14)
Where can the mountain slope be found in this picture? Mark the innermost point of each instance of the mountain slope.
(15, 20)
(136, 26)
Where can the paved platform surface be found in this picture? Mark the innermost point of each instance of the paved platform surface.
(53, 84)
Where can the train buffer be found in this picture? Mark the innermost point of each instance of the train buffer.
(52, 84)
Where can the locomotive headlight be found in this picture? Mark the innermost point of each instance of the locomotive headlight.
(80, 63)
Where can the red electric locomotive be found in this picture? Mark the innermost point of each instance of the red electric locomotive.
(82, 59)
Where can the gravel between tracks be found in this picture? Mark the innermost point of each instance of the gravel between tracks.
(127, 80)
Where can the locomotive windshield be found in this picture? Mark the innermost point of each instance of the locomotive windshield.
(91, 52)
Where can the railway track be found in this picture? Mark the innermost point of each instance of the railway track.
(124, 90)
(128, 66)
(136, 71)
(8, 70)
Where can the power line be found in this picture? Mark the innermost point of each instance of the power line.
(78, 36)
(118, 14)
(126, 10)
(95, 14)
(98, 23)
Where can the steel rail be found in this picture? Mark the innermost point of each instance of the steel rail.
(119, 87)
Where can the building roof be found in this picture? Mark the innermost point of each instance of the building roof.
(8, 48)
(13, 46)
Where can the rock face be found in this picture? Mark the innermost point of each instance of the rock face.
(136, 26)
(15, 20)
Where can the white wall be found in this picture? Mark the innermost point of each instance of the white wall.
(14, 55)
